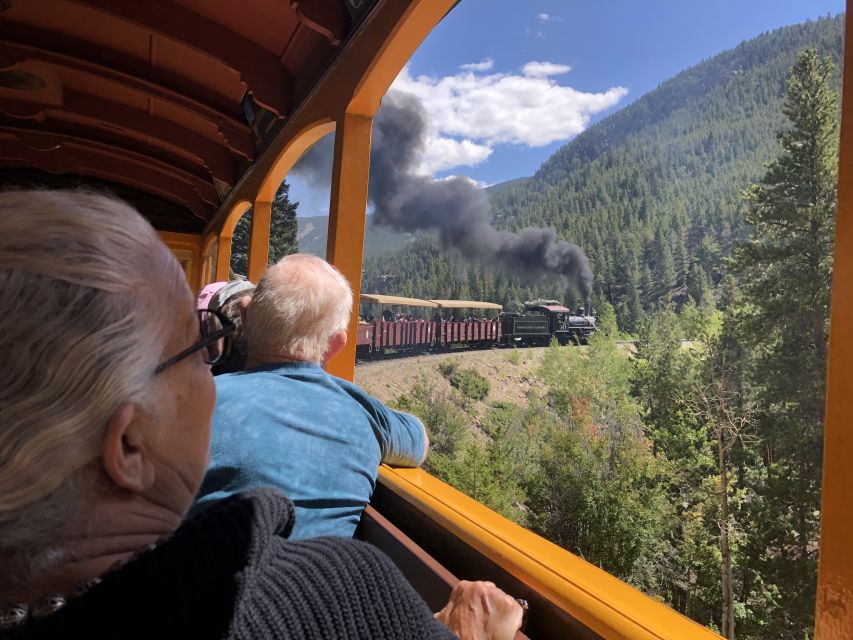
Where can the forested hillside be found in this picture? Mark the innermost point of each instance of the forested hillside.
(693, 473)
(652, 193)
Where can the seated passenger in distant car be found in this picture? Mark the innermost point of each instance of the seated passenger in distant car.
(285, 422)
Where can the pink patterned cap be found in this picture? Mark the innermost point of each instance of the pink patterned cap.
(207, 293)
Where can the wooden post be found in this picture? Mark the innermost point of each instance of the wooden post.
(259, 240)
(223, 258)
(209, 251)
(834, 614)
(347, 217)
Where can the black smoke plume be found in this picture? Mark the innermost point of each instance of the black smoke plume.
(454, 208)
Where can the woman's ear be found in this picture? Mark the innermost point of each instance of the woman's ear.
(125, 456)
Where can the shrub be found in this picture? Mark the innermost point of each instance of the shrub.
(447, 367)
(446, 423)
(470, 383)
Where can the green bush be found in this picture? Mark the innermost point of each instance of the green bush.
(446, 368)
(470, 383)
(446, 423)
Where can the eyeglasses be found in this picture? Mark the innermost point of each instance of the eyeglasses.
(215, 333)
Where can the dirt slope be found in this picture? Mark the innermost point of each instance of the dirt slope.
(389, 379)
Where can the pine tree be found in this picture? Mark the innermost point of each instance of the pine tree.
(665, 276)
(646, 282)
(698, 283)
(240, 245)
(283, 229)
(633, 313)
(787, 268)
(679, 256)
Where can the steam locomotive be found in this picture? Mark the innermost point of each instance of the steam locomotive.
(546, 319)
(540, 322)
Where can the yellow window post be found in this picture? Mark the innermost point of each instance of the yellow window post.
(347, 216)
(223, 257)
(259, 240)
(834, 614)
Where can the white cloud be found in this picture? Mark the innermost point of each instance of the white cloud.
(471, 113)
(543, 17)
(476, 183)
(445, 153)
(485, 65)
(544, 69)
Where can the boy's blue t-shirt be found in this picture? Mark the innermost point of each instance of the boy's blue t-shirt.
(318, 438)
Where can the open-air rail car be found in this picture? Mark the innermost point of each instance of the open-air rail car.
(195, 111)
(441, 329)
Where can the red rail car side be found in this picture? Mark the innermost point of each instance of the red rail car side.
(400, 336)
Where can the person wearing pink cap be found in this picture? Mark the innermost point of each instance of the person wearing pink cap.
(230, 299)
(206, 294)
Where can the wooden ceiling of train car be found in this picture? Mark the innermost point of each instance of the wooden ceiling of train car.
(167, 107)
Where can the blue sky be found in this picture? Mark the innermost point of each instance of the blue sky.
(497, 119)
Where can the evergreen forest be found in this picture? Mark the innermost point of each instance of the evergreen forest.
(652, 193)
(690, 471)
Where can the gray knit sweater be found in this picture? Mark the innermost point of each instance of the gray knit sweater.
(231, 573)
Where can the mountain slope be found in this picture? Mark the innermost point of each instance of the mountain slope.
(651, 192)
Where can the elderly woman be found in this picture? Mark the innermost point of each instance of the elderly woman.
(105, 406)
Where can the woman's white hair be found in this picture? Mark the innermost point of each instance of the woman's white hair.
(80, 336)
(299, 304)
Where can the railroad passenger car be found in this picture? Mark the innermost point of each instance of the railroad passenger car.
(389, 332)
(383, 332)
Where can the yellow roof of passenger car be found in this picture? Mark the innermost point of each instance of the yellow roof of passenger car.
(383, 299)
(466, 304)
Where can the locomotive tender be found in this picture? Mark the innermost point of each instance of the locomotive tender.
(544, 320)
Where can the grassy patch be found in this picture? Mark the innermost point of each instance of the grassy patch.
(514, 356)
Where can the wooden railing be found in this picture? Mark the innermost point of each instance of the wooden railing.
(569, 598)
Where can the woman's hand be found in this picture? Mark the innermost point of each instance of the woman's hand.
(481, 611)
